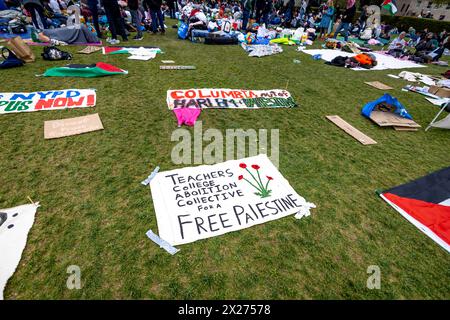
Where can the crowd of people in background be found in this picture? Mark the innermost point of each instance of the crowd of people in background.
(328, 19)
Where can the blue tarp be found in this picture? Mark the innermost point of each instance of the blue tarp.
(389, 104)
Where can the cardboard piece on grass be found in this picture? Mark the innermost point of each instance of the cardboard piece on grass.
(200, 202)
(90, 49)
(388, 119)
(396, 128)
(440, 91)
(21, 49)
(15, 223)
(378, 85)
(352, 131)
(177, 67)
(405, 129)
(72, 126)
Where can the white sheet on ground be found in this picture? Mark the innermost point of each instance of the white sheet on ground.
(13, 238)
(384, 62)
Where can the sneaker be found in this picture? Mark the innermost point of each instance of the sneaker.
(114, 41)
(138, 38)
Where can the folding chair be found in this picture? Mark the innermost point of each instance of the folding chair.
(444, 123)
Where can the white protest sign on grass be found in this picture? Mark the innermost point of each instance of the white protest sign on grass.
(12, 102)
(229, 99)
(15, 223)
(206, 201)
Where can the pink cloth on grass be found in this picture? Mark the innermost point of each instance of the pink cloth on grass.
(187, 116)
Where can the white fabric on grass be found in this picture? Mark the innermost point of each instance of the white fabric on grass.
(384, 62)
(13, 238)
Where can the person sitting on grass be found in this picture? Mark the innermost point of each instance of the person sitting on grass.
(397, 45)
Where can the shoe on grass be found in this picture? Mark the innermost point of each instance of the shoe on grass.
(138, 38)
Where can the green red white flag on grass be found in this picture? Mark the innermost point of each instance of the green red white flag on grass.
(99, 69)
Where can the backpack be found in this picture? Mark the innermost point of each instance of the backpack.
(338, 61)
(11, 60)
(53, 54)
(183, 31)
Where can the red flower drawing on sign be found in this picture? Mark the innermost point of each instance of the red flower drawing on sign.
(262, 189)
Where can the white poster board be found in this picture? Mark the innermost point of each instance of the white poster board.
(206, 201)
(15, 223)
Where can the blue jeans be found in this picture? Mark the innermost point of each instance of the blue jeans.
(136, 18)
(94, 11)
(34, 9)
(342, 26)
(245, 17)
(157, 14)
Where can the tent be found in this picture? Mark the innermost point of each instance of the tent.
(444, 123)
(98, 69)
(425, 203)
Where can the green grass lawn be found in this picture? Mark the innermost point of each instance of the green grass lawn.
(95, 212)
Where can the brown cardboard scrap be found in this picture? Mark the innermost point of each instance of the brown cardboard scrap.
(72, 126)
(349, 129)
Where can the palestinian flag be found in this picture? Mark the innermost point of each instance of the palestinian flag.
(390, 6)
(119, 50)
(425, 203)
(98, 69)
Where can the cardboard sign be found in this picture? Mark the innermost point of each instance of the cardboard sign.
(201, 202)
(378, 85)
(90, 49)
(177, 67)
(388, 119)
(167, 61)
(229, 99)
(352, 131)
(72, 126)
(13, 102)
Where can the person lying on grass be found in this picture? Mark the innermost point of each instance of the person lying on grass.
(67, 35)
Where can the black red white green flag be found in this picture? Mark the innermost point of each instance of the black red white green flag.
(425, 203)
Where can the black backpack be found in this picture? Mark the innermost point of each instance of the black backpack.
(53, 54)
(11, 60)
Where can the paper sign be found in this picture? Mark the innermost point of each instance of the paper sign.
(12, 102)
(167, 61)
(206, 201)
(229, 99)
(90, 49)
(352, 131)
(72, 126)
(379, 85)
